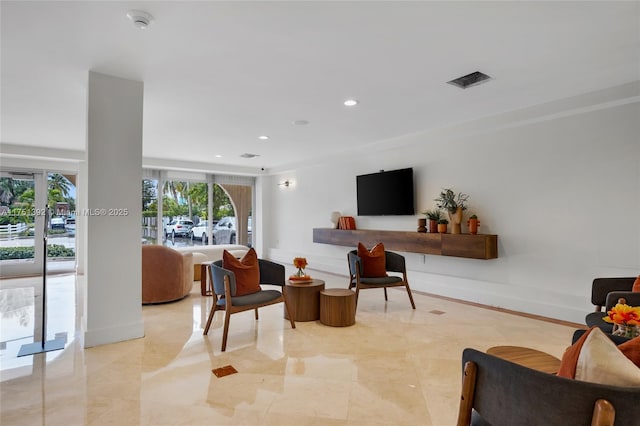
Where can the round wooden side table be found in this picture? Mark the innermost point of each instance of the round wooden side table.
(303, 300)
(337, 307)
(527, 357)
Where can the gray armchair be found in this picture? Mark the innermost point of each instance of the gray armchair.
(224, 290)
(393, 263)
(605, 292)
(496, 392)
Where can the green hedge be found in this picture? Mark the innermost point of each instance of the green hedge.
(53, 250)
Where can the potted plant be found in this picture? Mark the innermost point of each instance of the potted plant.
(433, 216)
(442, 226)
(454, 204)
(473, 224)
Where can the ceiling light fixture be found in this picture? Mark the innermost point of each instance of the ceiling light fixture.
(140, 18)
(351, 102)
(263, 137)
(218, 156)
(286, 183)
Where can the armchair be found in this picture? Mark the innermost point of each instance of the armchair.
(224, 290)
(605, 292)
(167, 274)
(393, 263)
(498, 392)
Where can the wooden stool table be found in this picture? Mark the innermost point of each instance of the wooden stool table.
(527, 357)
(337, 307)
(206, 287)
(303, 300)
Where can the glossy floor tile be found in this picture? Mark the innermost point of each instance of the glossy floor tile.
(395, 366)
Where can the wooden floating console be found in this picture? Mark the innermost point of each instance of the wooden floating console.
(480, 246)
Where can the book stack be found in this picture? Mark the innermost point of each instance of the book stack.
(347, 222)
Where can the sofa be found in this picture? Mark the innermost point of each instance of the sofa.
(210, 253)
(166, 274)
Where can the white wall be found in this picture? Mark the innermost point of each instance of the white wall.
(559, 184)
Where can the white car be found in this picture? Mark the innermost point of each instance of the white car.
(57, 222)
(200, 230)
(225, 231)
(178, 227)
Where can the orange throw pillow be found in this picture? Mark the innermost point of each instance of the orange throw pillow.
(247, 271)
(373, 261)
(568, 366)
(636, 285)
(570, 358)
(631, 350)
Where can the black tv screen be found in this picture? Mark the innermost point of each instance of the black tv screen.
(385, 193)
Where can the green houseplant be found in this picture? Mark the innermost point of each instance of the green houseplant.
(433, 216)
(454, 204)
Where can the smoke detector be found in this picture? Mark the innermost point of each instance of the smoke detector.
(140, 19)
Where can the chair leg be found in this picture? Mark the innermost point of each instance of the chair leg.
(357, 294)
(413, 305)
(386, 299)
(214, 308)
(227, 317)
(256, 314)
(286, 306)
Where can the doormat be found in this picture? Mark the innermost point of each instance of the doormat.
(224, 371)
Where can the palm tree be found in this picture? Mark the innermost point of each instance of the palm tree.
(60, 183)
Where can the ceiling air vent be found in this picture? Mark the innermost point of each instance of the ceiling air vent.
(469, 80)
(247, 155)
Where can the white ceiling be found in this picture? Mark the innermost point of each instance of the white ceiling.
(219, 74)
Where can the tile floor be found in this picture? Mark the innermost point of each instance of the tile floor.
(395, 366)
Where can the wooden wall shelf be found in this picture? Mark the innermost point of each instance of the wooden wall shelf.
(480, 246)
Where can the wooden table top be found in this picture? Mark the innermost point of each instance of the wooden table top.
(527, 357)
(314, 283)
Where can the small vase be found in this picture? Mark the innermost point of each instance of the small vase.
(442, 228)
(422, 225)
(624, 330)
(473, 226)
(433, 226)
(455, 219)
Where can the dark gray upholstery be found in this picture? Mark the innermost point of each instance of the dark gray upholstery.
(603, 286)
(224, 290)
(605, 293)
(394, 263)
(508, 394)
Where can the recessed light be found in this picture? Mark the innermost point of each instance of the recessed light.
(140, 18)
(249, 155)
(301, 122)
(263, 137)
(218, 156)
(351, 102)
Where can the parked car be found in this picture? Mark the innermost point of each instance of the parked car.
(57, 223)
(225, 231)
(200, 230)
(178, 227)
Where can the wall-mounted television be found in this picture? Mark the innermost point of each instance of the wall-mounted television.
(386, 193)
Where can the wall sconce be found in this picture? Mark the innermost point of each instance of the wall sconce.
(286, 183)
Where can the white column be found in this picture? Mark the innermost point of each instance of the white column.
(113, 310)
